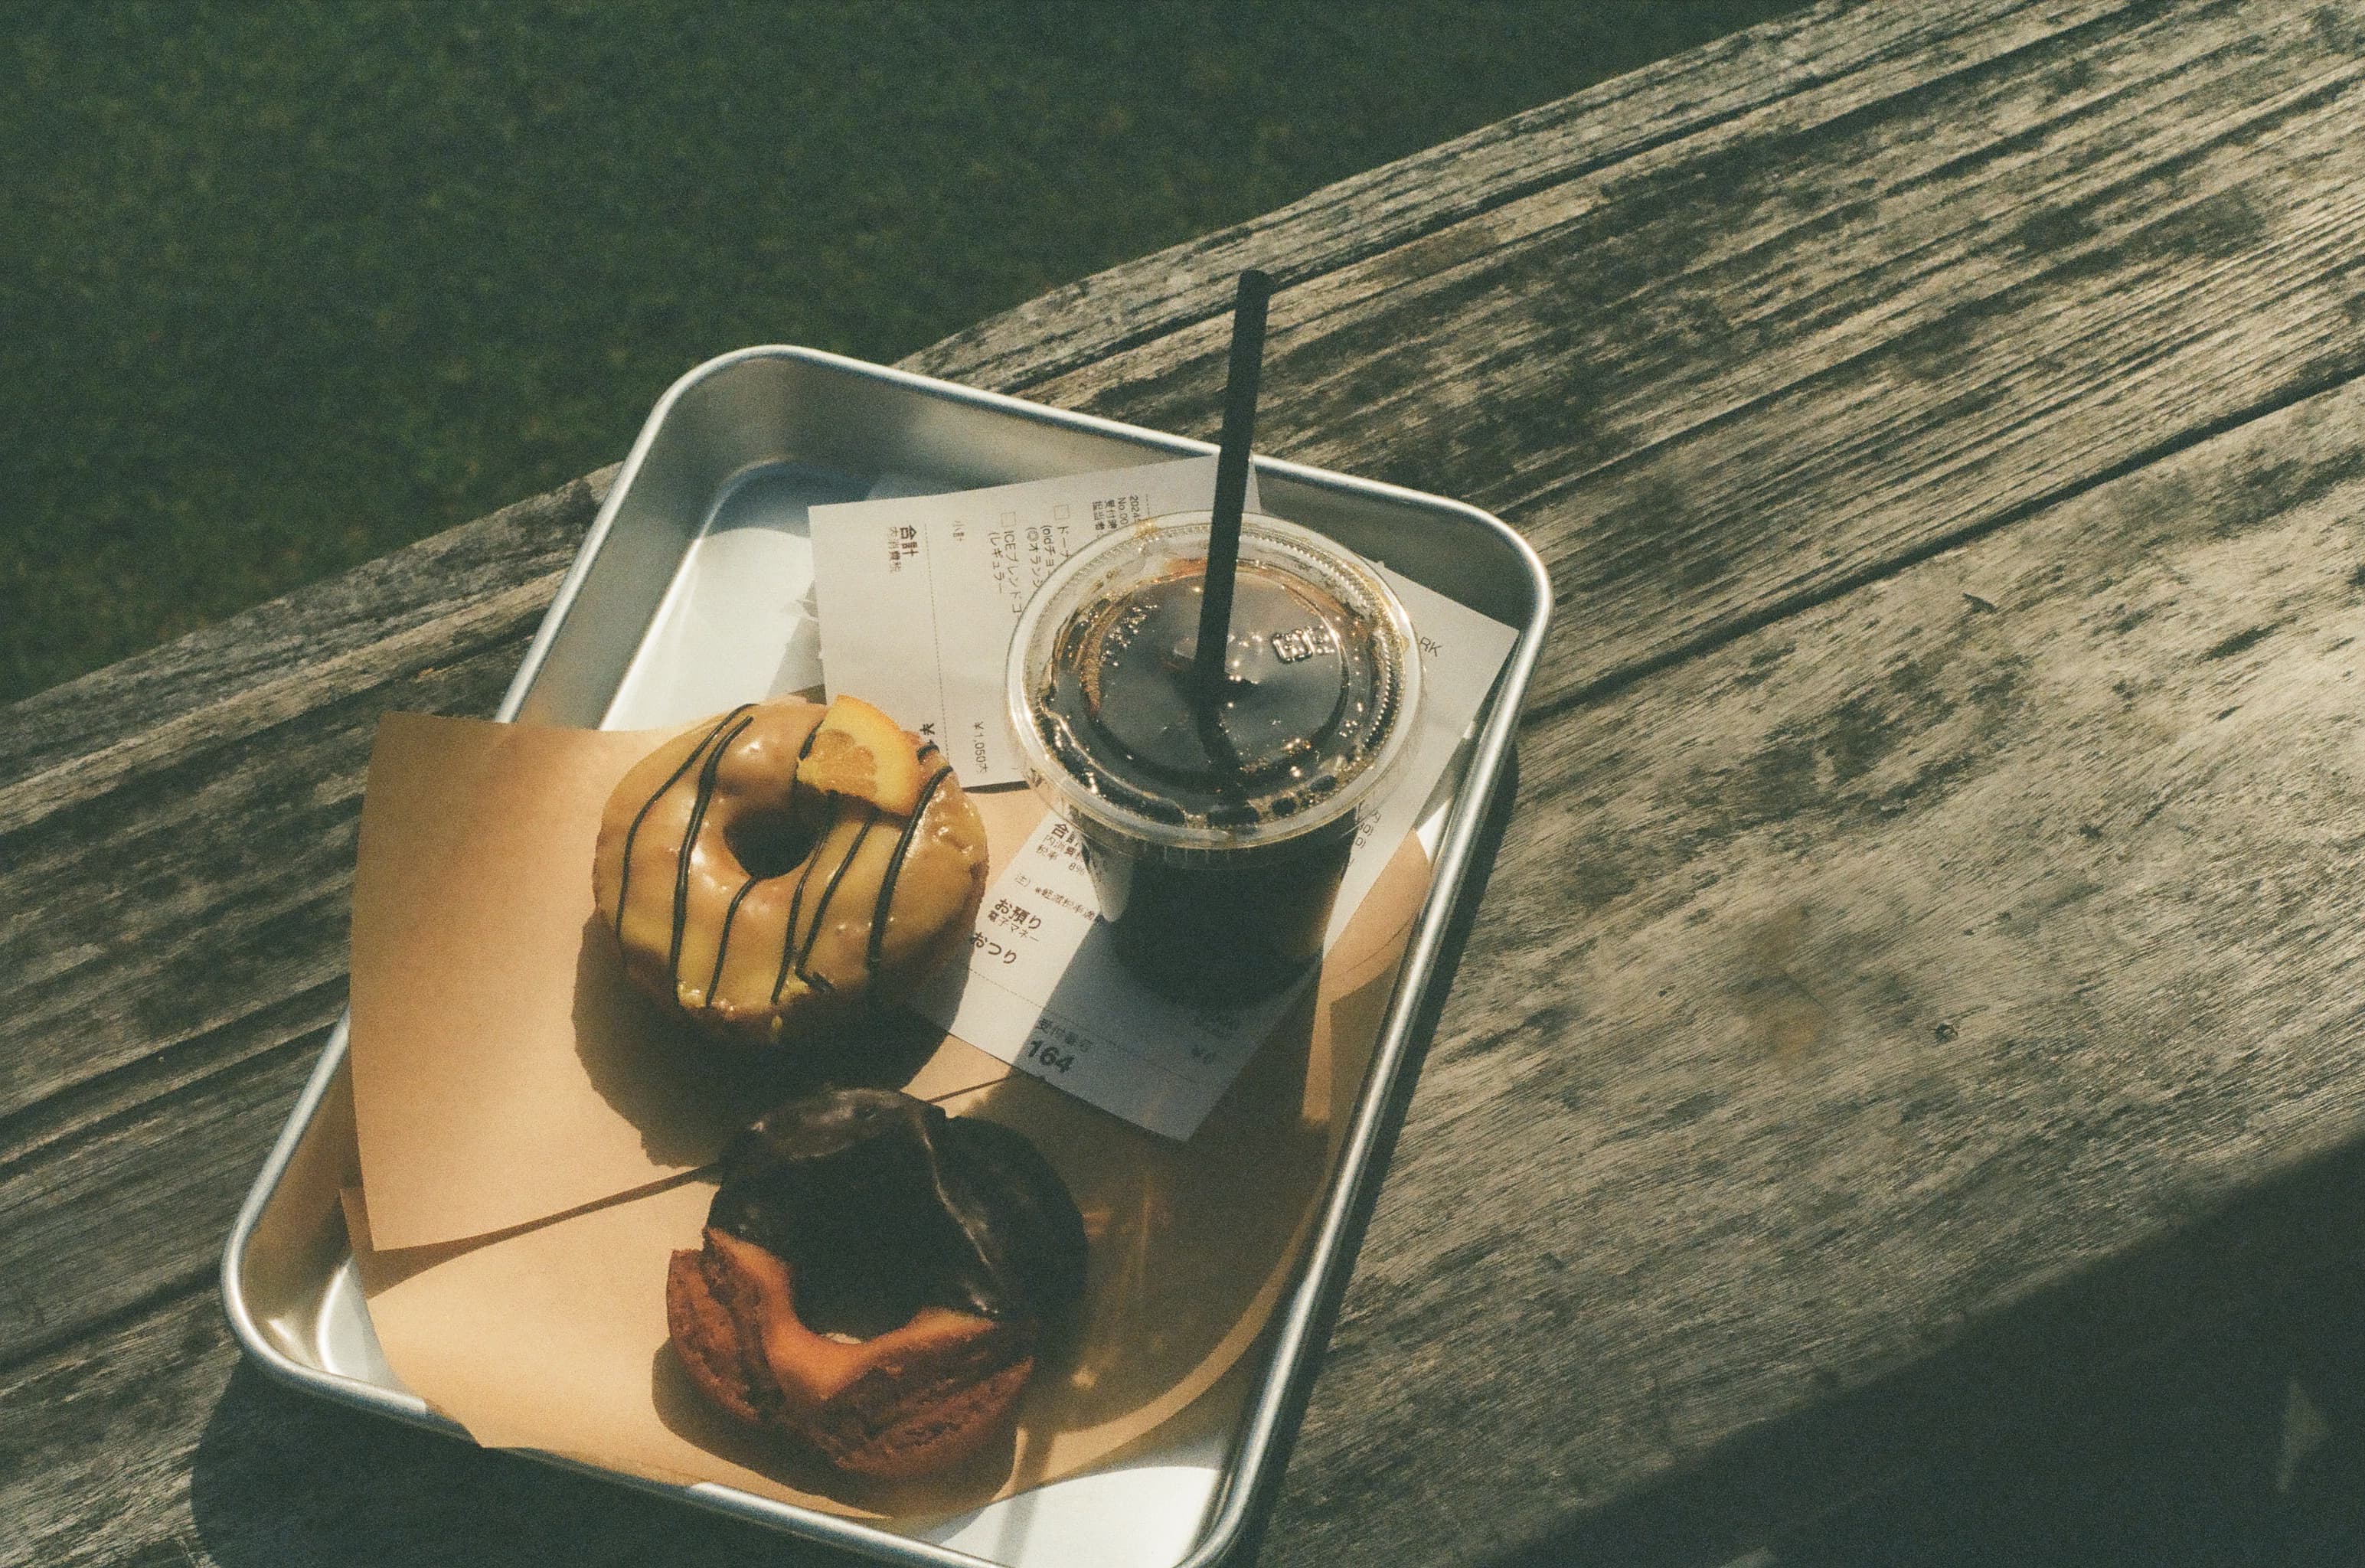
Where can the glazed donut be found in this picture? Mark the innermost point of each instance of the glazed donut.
(876, 1279)
(771, 869)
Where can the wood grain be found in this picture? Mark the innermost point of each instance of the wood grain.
(131, 1227)
(157, 1446)
(1865, 980)
(1835, 56)
(1744, 342)
(152, 913)
(173, 907)
(1743, 370)
(270, 662)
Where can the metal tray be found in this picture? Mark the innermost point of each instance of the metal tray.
(688, 596)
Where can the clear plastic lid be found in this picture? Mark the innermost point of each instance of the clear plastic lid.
(1322, 677)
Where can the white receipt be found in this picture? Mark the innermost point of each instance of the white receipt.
(1043, 990)
(918, 596)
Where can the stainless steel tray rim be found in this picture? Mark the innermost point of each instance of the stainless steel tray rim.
(637, 459)
(243, 1324)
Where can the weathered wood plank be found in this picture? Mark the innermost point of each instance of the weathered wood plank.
(157, 1031)
(158, 1021)
(1865, 980)
(1789, 442)
(1842, 58)
(214, 883)
(1739, 371)
(104, 1210)
(150, 1445)
(2052, 1375)
(1806, 697)
(399, 613)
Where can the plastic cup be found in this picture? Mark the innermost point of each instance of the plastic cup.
(1216, 837)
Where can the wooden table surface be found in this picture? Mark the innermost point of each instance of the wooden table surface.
(1924, 945)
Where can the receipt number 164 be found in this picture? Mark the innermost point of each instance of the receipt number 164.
(1048, 1054)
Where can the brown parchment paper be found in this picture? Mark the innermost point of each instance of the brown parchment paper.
(549, 1332)
(504, 1069)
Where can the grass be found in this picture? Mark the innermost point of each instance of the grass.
(284, 288)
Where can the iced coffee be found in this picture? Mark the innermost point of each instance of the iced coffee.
(1215, 820)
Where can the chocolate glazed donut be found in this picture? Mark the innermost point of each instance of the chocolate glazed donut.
(876, 1279)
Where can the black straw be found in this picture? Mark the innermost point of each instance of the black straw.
(1231, 489)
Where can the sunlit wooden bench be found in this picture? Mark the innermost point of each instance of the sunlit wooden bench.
(1925, 957)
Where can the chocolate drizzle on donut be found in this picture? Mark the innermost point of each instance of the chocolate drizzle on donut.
(625, 878)
(876, 948)
(706, 780)
(789, 942)
(761, 849)
(722, 942)
(787, 809)
(829, 891)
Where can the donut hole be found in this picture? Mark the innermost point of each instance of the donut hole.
(772, 843)
(876, 1254)
(865, 1251)
(856, 1304)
